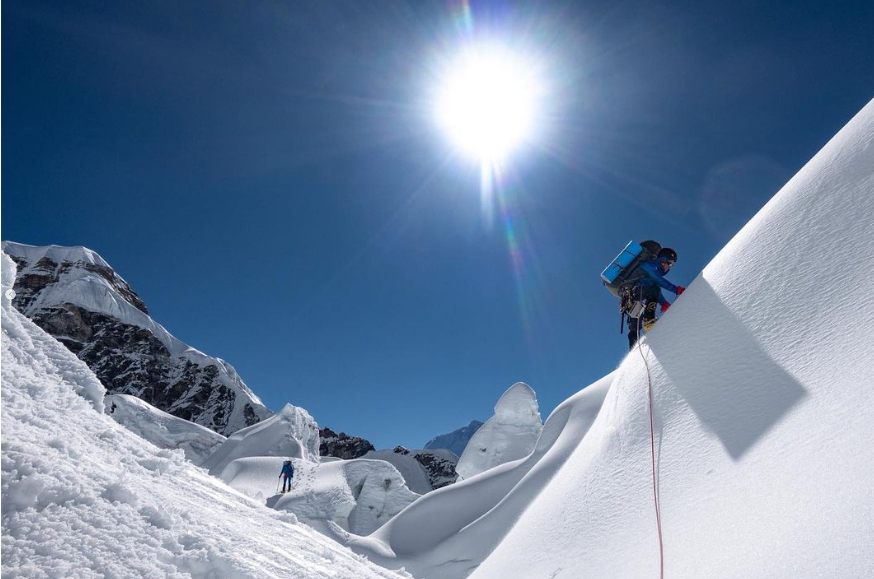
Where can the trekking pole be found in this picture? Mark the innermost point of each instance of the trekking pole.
(277, 484)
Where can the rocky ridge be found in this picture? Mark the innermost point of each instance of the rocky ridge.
(74, 295)
(342, 445)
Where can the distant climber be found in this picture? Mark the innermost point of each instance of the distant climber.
(287, 475)
(636, 276)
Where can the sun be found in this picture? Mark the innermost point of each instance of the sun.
(487, 101)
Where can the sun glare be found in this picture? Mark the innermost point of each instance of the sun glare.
(487, 102)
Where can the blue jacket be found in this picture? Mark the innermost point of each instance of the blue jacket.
(655, 277)
(287, 469)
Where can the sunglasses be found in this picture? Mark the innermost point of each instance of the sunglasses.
(670, 263)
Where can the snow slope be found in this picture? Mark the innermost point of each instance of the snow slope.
(56, 284)
(357, 495)
(448, 532)
(290, 434)
(162, 429)
(762, 376)
(82, 497)
(508, 435)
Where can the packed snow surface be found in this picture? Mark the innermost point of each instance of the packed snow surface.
(292, 433)
(83, 497)
(414, 475)
(162, 429)
(763, 403)
(508, 435)
(355, 495)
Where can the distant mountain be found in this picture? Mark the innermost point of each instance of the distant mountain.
(456, 440)
(74, 295)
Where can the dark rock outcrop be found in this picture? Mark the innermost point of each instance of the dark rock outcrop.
(342, 445)
(72, 294)
(440, 467)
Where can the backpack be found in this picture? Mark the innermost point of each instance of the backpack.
(623, 270)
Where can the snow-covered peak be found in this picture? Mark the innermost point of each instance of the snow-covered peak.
(20, 341)
(75, 295)
(508, 435)
(79, 276)
(56, 253)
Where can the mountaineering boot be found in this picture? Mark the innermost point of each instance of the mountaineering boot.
(649, 316)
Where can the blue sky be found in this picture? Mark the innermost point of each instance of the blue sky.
(268, 177)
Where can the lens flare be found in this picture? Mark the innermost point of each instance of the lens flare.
(488, 101)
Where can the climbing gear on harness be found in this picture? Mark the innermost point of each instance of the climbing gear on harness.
(620, 275)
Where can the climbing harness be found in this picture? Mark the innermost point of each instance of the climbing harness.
(628, 306)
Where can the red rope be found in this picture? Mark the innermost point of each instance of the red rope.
(655, 487)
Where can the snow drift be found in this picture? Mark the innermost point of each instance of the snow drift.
(761, 378)
(423, 470)
(448, 532)
(292, 433)
(84, 497)
(508, 435)
(162, 429)
(762, 382)
(355, 495)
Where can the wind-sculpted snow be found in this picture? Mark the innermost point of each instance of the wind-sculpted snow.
(508, 435)
(82, 497)
(448, 532)
(74, 295)
(762, 383)
(349, 495)
(423, 470)
(290, 434)
(162, 429)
